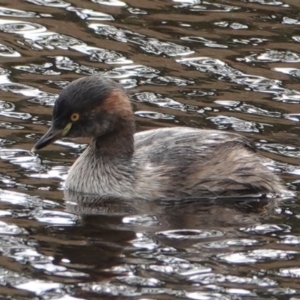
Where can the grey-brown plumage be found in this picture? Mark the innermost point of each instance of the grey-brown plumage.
(173, 163)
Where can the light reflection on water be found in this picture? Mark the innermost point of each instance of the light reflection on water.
(231, 65)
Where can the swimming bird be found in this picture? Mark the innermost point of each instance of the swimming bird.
(163, 163)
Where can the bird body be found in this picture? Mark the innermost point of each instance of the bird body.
(165, 163)
(176, 162)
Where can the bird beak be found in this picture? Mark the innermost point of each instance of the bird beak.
(51, 136)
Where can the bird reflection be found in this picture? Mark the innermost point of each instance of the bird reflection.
(114, 234)
(186, 213)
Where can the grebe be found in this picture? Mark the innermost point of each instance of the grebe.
(172, 163)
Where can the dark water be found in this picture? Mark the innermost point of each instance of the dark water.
(227, 64)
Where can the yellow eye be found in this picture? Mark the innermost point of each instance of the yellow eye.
(74, 117)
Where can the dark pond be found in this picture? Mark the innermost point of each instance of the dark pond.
(227, 64)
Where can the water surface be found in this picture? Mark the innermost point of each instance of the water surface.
(232, 65)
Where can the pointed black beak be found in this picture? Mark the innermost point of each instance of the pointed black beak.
(49, 137)
(52, 135)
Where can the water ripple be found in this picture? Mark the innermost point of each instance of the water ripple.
(195, 5)
(50, 3)
(101, 55)
(247, 108)
(290, 21)
(17, 198)
(21, 27)
(24, 159)
(285, 150)
(213, 278)
(189, 234)
(132, 71)
(150, 45)
(7, 110)
(231, 65)
(11, 229)
(44, 69)
(39, 38)
(228, 243)
(204, 41)
(293, 272)
(39, 287)
(56, 218)
(267, 228)
(110, 2)
(290, 240)
(145, 220)
(256, 256)
(254, 83)
(224, 122)
(9, 12)
(267, 2)
(273, 56)
(289, 71)
(159, 100)
(139, 281)
(124, 290)
(6, 51)
(90, 15)
(153, 115)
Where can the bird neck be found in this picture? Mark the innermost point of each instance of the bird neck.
(116, 144)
